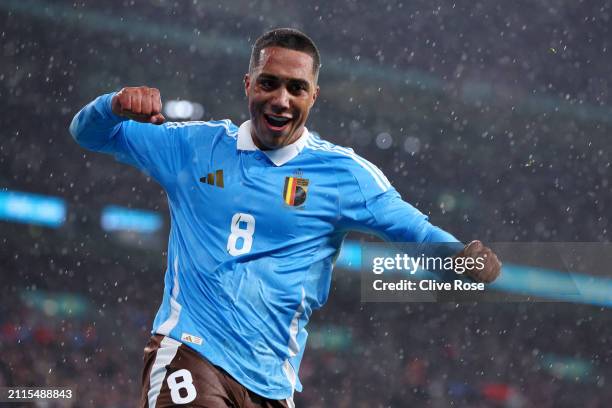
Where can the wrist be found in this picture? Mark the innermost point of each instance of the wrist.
(107, 106)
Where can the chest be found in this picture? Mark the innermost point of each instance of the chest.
(244, 193)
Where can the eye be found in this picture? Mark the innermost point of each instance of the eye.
(266, 83)
(296, 88)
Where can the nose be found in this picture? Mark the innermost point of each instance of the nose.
(280, 100)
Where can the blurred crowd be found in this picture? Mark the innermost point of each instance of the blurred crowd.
(492, 118)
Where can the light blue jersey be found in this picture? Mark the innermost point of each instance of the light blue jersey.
(253, 233)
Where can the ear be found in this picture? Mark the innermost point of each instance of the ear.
(247, 84)
(315, 95)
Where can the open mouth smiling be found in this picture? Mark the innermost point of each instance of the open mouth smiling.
(276, 122)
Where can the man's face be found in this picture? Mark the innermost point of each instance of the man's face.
(281, 90)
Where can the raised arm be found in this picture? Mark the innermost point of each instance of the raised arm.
(95, 125)
(129, 125)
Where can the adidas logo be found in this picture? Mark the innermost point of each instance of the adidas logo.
(215, 178)
(190, 338)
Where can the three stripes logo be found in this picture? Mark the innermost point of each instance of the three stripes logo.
(294, 193)
(215, 178)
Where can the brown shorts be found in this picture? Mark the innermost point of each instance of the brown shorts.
(175, 375)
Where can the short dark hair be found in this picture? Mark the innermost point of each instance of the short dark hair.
(286, 38)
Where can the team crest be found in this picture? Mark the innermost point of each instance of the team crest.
(295, 191)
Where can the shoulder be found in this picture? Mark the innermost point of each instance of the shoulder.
(345, 160)
(199, 134)
(213, 126)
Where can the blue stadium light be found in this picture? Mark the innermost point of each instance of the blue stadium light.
(31, 208)
(115, 218)
(556, 285)
(350, 255)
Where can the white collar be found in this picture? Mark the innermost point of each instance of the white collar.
(277, 156)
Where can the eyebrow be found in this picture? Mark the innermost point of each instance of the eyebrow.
(299, 81)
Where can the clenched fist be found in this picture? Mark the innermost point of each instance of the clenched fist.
(487, 268)
(142, 104)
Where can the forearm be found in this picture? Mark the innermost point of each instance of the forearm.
(95, 126)
(401, 222)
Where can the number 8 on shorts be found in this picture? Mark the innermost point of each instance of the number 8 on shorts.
(181, 387)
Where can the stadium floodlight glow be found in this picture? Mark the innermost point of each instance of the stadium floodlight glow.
(116, 218)
(183, 110)
(412, 145)
(384, 140)
(62, 304)
(31, 208)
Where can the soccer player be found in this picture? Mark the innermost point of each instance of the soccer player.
(258, 215)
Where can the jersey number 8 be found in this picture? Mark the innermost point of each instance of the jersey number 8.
(239, 236)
